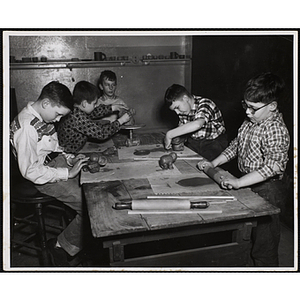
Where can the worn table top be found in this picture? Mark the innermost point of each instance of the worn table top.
(106, 221)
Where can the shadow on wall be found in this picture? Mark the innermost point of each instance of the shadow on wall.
(168, 116)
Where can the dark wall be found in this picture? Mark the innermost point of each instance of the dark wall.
(222, 65)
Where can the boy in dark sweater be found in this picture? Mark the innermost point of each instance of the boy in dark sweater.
(76, 128)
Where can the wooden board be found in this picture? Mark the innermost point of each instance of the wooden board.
(100, 203)
(96, 147)
(133, 127)
(156, 151)
(168, 185)
(127, 170)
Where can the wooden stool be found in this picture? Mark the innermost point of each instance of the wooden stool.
(26, 194)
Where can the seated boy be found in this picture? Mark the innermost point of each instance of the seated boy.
(33, 137)
(76, 128)
(261, 147)
(107, 84)
(199, 119)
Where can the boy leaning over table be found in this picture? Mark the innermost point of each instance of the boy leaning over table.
(200, 120)
(261, 148)
(81, 124)
(34, 139)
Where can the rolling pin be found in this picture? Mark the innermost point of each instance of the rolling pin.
(213, 174)
(161, 205)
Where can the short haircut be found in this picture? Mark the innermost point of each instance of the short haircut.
(107, 74)
(58, 94)
(85, 90)
(264, 88)
(175, 92)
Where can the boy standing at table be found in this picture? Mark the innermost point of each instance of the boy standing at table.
(200, 119)
(34, 138)
(107, 84)
(76, 128)
(261, 147)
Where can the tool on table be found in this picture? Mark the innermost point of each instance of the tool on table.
(161, 205)
(217, 175)
(132, 141)
(160, 212)
(213, 174)
(178, 158)
(194, 197)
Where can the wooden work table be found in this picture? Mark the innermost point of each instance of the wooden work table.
(218, 236)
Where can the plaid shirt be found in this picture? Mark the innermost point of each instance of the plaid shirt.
(206, 109)
(261, 147)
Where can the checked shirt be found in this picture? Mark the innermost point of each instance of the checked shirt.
(261, 147)
(206, 109)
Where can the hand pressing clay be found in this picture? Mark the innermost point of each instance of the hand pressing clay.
(178, 143)
(94, 163)
(166, 161)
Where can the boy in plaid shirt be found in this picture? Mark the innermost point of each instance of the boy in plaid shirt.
(199, 119)
(261, 148)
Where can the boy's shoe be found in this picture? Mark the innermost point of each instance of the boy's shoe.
(59, 257)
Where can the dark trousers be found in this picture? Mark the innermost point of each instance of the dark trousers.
(266, 235)
(209, 149)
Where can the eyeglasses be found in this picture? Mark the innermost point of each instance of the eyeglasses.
(252, 109)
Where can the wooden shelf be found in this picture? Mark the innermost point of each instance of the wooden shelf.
(94, 64)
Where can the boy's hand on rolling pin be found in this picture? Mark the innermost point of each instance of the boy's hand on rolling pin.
(124, 119)
(77, 167)
(230, 183)
(202, 164)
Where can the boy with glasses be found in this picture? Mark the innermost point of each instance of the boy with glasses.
(261, 148)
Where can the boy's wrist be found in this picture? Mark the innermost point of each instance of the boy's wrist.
(69, 159)
(169, 135)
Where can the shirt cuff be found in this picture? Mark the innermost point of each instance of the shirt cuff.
(266, 172)
(63, 174)
(228, 154)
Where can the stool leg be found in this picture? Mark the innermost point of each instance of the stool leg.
(42, 234)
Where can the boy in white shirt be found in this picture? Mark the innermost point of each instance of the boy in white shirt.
(34, 138)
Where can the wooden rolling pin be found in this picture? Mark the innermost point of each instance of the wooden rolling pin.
(161, 205)
(213, 174)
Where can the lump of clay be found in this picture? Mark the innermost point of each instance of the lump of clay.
(95, 157)
(166, 161)
(178, 143)
(91, 166)
(109, 151)
(94, 163)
